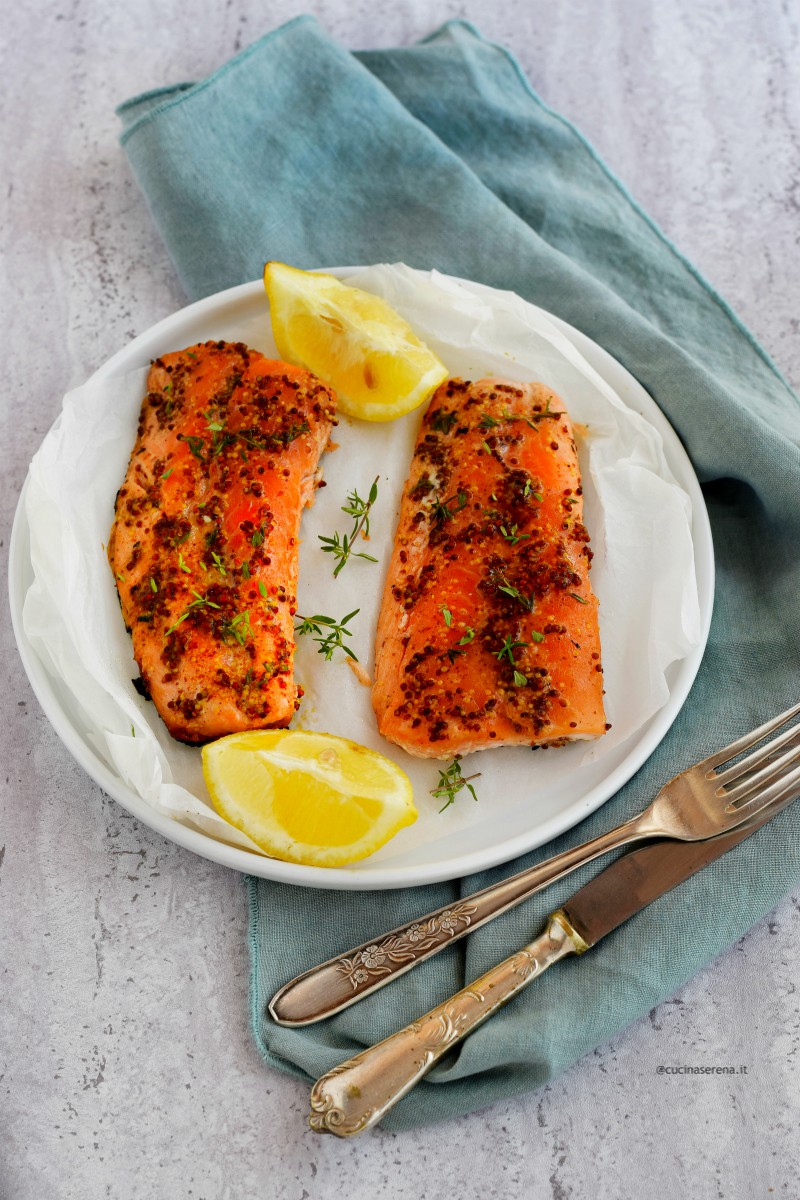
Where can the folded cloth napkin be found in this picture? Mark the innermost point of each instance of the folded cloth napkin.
(440, 155)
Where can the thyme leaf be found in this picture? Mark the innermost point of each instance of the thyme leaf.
(511, 535)
(507, 650)
(328, 632)
(198, 602)
(443, 422)
(441, 510)
(451, 782)
(237, 627)
(341, 546)
(516, 594)
(454, 651)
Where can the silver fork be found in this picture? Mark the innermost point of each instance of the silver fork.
(706, 800)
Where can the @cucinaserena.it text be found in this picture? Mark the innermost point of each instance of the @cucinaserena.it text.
(684, 1070)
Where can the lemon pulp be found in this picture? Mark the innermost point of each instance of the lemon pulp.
(309, 798)
(353, 341)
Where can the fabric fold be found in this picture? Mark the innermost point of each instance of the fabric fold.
(441, 155)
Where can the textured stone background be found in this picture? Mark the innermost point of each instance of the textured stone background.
(126, 1068)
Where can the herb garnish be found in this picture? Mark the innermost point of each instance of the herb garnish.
(454, 651)
(359, 510)
(507, 650)
(441, 510)
(218, 563)
(528, 491)
(332, 640)
(237, 627)
(451, 781)
(516, 594)
(199, 602)
(580, 599)
(443, 422)
(448, 616)
(511, 534)
(195, 444)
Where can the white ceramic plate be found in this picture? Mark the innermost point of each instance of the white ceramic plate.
(494, 832)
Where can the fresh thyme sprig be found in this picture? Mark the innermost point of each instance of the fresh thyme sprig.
(454, 651)
(329, 633)
(359, 510)
(511, 535)
(507, 651)
(516, 594)
(199, 602)
(238, 627)
(441, 510)
(528, 491)
(451, 781)
(444, 421)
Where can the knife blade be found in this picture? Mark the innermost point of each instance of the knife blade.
(357, 1094)
(641, 876)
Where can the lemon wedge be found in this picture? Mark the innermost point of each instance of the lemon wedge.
(309, 798)
(353, 341)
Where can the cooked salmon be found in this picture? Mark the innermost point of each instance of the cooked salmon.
(205, 537)
(488, 632)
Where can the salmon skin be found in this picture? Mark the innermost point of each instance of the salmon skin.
(205, 537)
(488, 632)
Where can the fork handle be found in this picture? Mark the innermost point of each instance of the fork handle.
(356, 1095)
(340, 982)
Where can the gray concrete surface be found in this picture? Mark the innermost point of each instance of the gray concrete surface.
(126, 1067)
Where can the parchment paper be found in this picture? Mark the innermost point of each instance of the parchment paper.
(637, 514)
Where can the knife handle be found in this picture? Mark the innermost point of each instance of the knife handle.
(341, 981)
(356, 1095)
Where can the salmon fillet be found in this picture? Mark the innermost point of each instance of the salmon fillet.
(205, 537)
(488, 632)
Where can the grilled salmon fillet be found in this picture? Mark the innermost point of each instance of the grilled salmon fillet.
(488, 632)
(205, 537)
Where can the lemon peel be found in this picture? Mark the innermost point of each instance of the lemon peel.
(353, 341)
(310, 798)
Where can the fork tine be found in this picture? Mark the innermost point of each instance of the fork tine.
(751, 781)
(782, 789)
(767, 753)
(747, 740)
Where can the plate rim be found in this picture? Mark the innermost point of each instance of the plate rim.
(364, 878)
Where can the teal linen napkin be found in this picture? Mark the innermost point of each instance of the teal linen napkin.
(440, 155)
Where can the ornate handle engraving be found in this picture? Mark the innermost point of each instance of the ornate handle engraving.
(327, 989)
(357, 1094)
(339, 982)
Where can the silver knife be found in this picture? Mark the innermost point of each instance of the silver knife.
(356, 1095)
